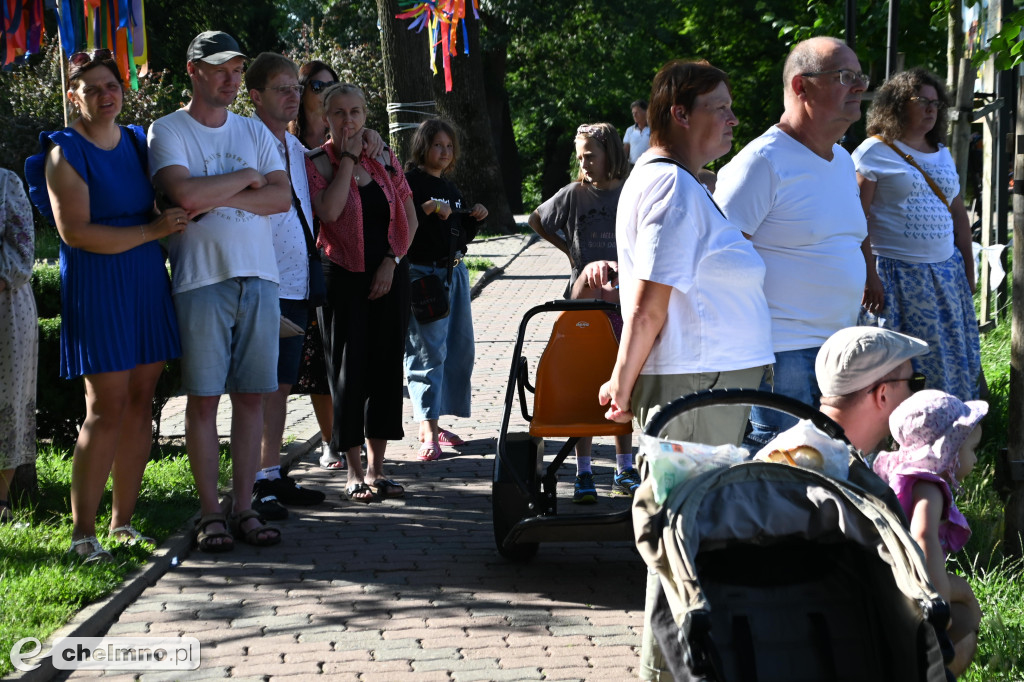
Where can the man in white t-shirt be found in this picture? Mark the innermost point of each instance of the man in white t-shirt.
(793, 192)
(227, 173)
(638, 136)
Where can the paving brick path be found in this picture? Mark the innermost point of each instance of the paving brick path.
(412, 589)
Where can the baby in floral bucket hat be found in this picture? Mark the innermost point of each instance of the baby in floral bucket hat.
(938, 435)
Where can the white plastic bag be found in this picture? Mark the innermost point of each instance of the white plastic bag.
(673, 462)
(835, 456)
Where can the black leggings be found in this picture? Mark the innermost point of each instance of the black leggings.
(364, 342)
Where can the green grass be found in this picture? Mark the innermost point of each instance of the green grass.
(47, 244)
(41, 586)
(994, 578)
(487, 232)
(477, 267)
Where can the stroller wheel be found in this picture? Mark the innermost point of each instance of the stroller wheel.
(510, 503)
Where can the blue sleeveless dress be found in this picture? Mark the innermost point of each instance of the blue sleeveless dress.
(116, 309)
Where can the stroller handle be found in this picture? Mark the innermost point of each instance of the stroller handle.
(742, 396)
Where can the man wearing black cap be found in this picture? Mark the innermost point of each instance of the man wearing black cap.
(225, 170)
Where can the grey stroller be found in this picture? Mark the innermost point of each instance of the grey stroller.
(776, 573)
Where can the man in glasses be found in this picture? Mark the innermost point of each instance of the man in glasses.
(863, 374)
(226, 171)
(793, 192)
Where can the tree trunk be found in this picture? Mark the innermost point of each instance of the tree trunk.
(495, 67)
(477, 173)
(406, 75)
(558, 148)
(1014, 538)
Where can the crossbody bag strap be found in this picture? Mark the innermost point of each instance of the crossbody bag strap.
(927, 178)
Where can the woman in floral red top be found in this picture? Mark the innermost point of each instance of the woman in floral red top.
(367, 223)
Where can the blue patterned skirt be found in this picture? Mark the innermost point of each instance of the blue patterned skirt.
(933, 302)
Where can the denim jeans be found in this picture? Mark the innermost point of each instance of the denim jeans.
(439, 355)
(794, 377)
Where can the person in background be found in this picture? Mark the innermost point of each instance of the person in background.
(273, 84)
(367, 223)
(226, 170)
(938, 435)
(695, 315)
(793, 192)
(638, 136)
(19, 335)
(439, 355)
(584, 211)
(118, 325)
(920, 263)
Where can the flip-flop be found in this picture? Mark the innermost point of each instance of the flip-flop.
(388, 489)
(449, 439)
(430, 452)
(359, 489)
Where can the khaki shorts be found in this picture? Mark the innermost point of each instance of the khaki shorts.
(712, 425)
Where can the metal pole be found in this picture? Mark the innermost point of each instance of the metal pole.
(60, 65)
(891, 40)
(851, 24)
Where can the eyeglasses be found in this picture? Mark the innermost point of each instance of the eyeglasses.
(83, 58)
(926, 103)
(915, 381)
(320, 85)
(286, 90)
(846, 76)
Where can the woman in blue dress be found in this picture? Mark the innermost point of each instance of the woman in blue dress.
(117, 322)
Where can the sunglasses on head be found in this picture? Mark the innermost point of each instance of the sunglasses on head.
(320, 85)
(83, 58)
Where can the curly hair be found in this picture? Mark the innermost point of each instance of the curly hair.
(424, 137)
(887, 115)
(605, 135)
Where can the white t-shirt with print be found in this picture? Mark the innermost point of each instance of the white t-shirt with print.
(226, 242)
(669, 231)
(907, 220)
(803, 215)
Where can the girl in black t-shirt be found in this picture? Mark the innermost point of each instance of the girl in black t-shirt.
(439, 355)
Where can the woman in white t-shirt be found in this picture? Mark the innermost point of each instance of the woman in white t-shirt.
(695, 315)
(922, 278)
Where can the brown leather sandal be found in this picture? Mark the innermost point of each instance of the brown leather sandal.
(252, 536)
(206, 541)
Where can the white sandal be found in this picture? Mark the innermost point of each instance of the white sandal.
(98, 555)
(134, 536)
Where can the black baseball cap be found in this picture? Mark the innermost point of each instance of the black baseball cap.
(213, 47)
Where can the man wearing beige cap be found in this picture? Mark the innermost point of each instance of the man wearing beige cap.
(864, 373)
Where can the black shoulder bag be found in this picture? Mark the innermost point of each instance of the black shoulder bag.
(429, 296)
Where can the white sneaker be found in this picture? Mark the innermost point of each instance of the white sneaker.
(331, 460)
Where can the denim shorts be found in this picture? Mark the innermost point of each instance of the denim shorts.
(290, 349)
(229, 337)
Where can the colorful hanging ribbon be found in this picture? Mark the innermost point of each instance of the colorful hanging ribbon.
(117, 25)
(21, 29)
(442, 18)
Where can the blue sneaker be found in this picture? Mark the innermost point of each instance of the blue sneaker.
(626, 481)
(584, 491)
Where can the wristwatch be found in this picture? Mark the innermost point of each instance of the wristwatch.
(397, 259)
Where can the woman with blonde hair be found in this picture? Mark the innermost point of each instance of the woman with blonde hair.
(367, 223)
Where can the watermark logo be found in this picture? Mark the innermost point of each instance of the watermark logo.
(111, 653)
